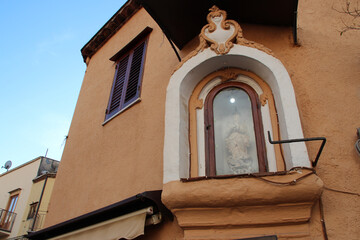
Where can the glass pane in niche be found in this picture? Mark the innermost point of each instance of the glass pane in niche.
(235, 145)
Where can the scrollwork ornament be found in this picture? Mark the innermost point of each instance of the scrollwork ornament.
(219, 32)
(220, 35)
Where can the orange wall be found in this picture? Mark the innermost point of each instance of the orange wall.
(326, 76)
(105, 164)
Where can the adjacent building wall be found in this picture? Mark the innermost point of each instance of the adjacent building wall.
(36, 190)
(19, 177)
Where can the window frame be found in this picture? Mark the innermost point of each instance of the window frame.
(32, 210)
(129, 54)
(210, 161)
(7, 218)
(10, 206)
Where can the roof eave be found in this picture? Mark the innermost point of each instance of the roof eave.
(182, 20)
(134, 203)
(110, 28)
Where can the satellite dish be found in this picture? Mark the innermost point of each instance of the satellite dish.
(7, 165)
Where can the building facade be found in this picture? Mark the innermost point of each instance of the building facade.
(25, 192)
(208, 120)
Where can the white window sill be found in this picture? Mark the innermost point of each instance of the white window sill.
(122, 110)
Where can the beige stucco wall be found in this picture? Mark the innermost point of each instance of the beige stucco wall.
(20, 177)
(105, 164)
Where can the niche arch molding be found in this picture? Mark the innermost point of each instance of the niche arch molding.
(176, 153)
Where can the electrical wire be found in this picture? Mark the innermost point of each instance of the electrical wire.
(339, 191)
(292, 182)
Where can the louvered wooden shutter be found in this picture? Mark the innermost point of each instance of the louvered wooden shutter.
(133, 84)
(118, 87)
(127, 81)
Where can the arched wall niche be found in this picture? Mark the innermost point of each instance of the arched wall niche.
(183, 81)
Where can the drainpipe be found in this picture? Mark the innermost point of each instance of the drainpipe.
(38, 207)
(295, 29)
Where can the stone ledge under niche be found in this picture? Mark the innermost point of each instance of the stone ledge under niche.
(233, 204)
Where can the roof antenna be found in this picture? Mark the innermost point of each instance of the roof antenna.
(64, 141)
(46, 152)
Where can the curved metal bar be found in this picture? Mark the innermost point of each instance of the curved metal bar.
(323, 139)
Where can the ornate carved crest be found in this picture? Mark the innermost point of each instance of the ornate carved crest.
(220, 35)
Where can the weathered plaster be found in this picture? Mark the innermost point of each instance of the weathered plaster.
(244, 203)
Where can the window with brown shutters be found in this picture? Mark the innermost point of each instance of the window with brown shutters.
(127, 80)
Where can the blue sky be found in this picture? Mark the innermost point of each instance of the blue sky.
(41, 71)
